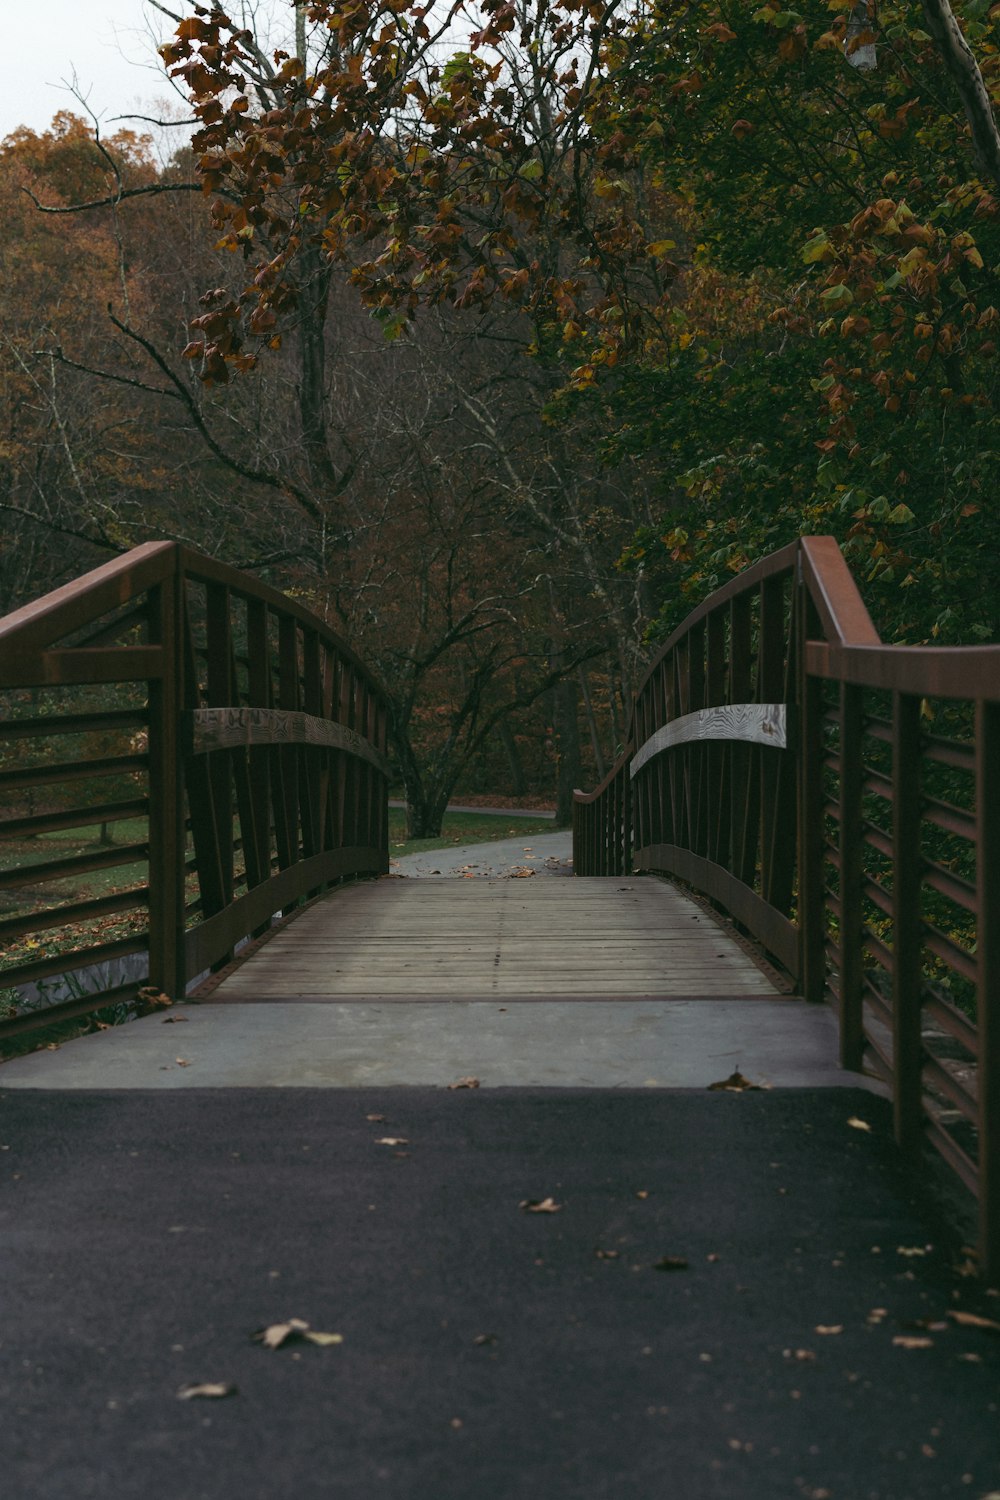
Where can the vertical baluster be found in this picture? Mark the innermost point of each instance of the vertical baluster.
(167, 966)
(988, 983)
(259, 696)
(745, 787)
(907, 1048)
(851, 874)
(716, 753)
(312, 757)
(812, 914)
(285, 757)
(770, 689)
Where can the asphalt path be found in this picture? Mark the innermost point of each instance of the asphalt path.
(807, 1347)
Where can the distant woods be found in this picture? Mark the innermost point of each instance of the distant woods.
(502, 350)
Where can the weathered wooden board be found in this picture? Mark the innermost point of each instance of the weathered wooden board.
(231, 728)
(445, 938)
(757, 723)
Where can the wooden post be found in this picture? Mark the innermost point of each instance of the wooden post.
(812, 914)
(167, 966)
(851, 875)
(988, 984)
(907, 1048)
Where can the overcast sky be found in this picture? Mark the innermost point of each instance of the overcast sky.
(107, 42)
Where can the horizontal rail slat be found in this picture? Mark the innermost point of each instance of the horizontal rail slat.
(79, 770)
(50, 724)
(72, 667)
(72, 962)
(80, 864)
(77, 911)
(76, 817)
(69, 1010)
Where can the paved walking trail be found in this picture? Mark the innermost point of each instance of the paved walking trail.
(727, 1294)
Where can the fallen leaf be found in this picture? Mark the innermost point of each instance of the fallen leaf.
(214, 1390)
(642, 1193)
(173, 1020)
(293, 1331)
(465, 1083)
(376, 1119)
(877, 1314)
(826, 1328)
(857, 1124)
(151, 995)
(972, 1359)
(911, 1341)
(392, 1140)
(802, 1355)
(540, 1205)
(670, 1263)
(973, 1320)
(910, 1250)
(735, 1084)
(182, 1062)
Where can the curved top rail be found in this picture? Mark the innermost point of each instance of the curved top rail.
(206, 569)
(585, 797)
(831, 585)
(42, 621)
(768, 567)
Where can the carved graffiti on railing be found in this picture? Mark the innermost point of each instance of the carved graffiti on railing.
(756, 723)
(236, 728)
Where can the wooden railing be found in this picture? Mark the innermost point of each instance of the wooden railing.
(229, 747)
(840, 800)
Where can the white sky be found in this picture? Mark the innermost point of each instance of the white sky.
(110, 44)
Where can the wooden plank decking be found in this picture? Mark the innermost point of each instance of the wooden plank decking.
(433, 939)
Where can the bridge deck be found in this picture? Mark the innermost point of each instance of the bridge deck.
(479, 939)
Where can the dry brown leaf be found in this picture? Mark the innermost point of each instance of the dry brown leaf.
(376, 1119)
(392, 1140)
(182, 1062)
(642, 1193)
(214, 1390)
(152, 996)
(465, 1083)
(912, 1341)
(735, 1084)
(804, 1356)
(827, 1328)
(973, 1320)
(540, 1206)
(857, 1124)
(295, 1330)
(173, 1020)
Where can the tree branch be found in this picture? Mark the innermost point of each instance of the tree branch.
(961, 64)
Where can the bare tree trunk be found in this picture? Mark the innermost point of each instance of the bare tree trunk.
(518, 780)
(595, 739)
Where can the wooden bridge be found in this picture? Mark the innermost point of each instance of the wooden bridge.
(826, 795)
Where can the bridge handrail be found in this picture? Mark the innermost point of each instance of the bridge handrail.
(781, 760)
(244, 736)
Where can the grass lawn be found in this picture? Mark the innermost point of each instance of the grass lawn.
(464, 828)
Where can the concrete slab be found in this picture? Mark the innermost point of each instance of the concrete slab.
(562, 1044)
(545, 853)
